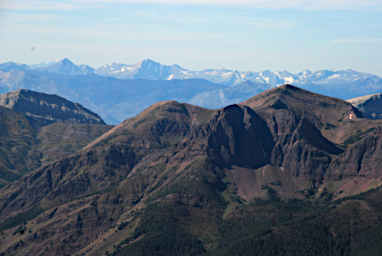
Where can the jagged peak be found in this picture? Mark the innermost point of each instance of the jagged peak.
(66, 60)
(148, 61)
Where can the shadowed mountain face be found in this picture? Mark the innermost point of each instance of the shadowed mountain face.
(182, 180)
(370, 105)
(239, 137)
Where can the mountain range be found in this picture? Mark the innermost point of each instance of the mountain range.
(151, 70)
(117, 91)
(285, 172)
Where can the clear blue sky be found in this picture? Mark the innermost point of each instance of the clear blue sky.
(240, 34)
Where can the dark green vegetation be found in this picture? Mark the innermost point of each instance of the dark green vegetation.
(287, 172)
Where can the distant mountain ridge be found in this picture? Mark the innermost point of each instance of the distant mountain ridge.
(118, 91)
(152, 70)
(64, 66)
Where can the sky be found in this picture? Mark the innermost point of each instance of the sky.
(246, 35)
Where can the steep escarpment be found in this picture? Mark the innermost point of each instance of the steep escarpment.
(238, 136)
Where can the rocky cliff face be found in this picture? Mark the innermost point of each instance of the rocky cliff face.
(46, 109)
(182, 180)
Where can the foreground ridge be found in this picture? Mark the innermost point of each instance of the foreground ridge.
(287, 171)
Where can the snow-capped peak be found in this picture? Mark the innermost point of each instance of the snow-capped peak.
(153, 70)
(150, 69)
(64, 66)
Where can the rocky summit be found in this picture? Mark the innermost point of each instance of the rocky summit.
(46, 108)
(286, 172)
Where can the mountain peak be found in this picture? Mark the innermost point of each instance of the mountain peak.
(304, 103)
(148, 62)
(289, 87)
(66, 61)
(45, 108)
(66, 67)
(281, 90)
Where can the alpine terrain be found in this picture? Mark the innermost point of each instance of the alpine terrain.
(286, 172)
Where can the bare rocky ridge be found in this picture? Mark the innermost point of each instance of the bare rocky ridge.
(45, 108)
(182, 180)
(370, 105)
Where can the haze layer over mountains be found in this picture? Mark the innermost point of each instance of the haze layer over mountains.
(118, 91)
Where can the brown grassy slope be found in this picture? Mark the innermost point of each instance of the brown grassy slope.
(25, 147)
(57, 140)
(37, 128)
(190, 170)
(16, 139)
